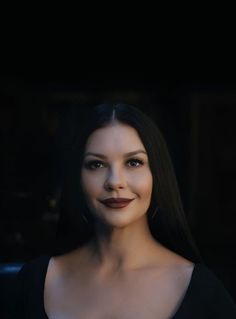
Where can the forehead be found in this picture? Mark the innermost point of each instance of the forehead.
(114, 137)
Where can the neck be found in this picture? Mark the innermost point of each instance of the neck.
(119, 249)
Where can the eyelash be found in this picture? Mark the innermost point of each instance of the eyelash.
(93, 164)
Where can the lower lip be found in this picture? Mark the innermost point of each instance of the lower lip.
(117, 205)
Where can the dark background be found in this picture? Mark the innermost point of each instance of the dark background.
(197, 119)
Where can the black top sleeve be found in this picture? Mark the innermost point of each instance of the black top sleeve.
(29, 290)
(206, 298)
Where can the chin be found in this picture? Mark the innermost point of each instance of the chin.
(120, 221)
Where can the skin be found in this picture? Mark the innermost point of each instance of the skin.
(110, 170)
(113, 173)
(123, 272)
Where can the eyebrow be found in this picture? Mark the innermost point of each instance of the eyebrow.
(125, 155)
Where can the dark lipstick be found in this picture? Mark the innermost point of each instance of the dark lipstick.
(116, 202)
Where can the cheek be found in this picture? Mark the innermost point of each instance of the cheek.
(143, 183)
(91, 183)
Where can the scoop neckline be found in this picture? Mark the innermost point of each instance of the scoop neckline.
(175, 315)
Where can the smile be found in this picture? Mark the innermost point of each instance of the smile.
(116, 202)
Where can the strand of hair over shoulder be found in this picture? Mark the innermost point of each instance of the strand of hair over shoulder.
(113, 116)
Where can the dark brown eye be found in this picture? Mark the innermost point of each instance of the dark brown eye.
(92, 165)
(134, 162)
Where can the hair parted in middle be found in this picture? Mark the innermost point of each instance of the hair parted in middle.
(166, 217)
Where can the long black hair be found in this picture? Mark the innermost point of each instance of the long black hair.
(166, 216)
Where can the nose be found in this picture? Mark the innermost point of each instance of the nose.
(115, 180)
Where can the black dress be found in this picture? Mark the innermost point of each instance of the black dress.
(206, 296)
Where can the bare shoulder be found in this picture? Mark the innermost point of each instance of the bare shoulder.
(173, 267)
(62, 265)
(60, 269)
(169, 257)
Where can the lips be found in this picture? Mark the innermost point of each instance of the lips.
(116, 202)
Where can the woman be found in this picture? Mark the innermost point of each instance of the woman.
(133, 256)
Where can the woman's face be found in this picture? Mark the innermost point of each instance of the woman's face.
(115, 176)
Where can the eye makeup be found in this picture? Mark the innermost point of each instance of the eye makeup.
(94, 164)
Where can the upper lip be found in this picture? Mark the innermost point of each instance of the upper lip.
(116, 200)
